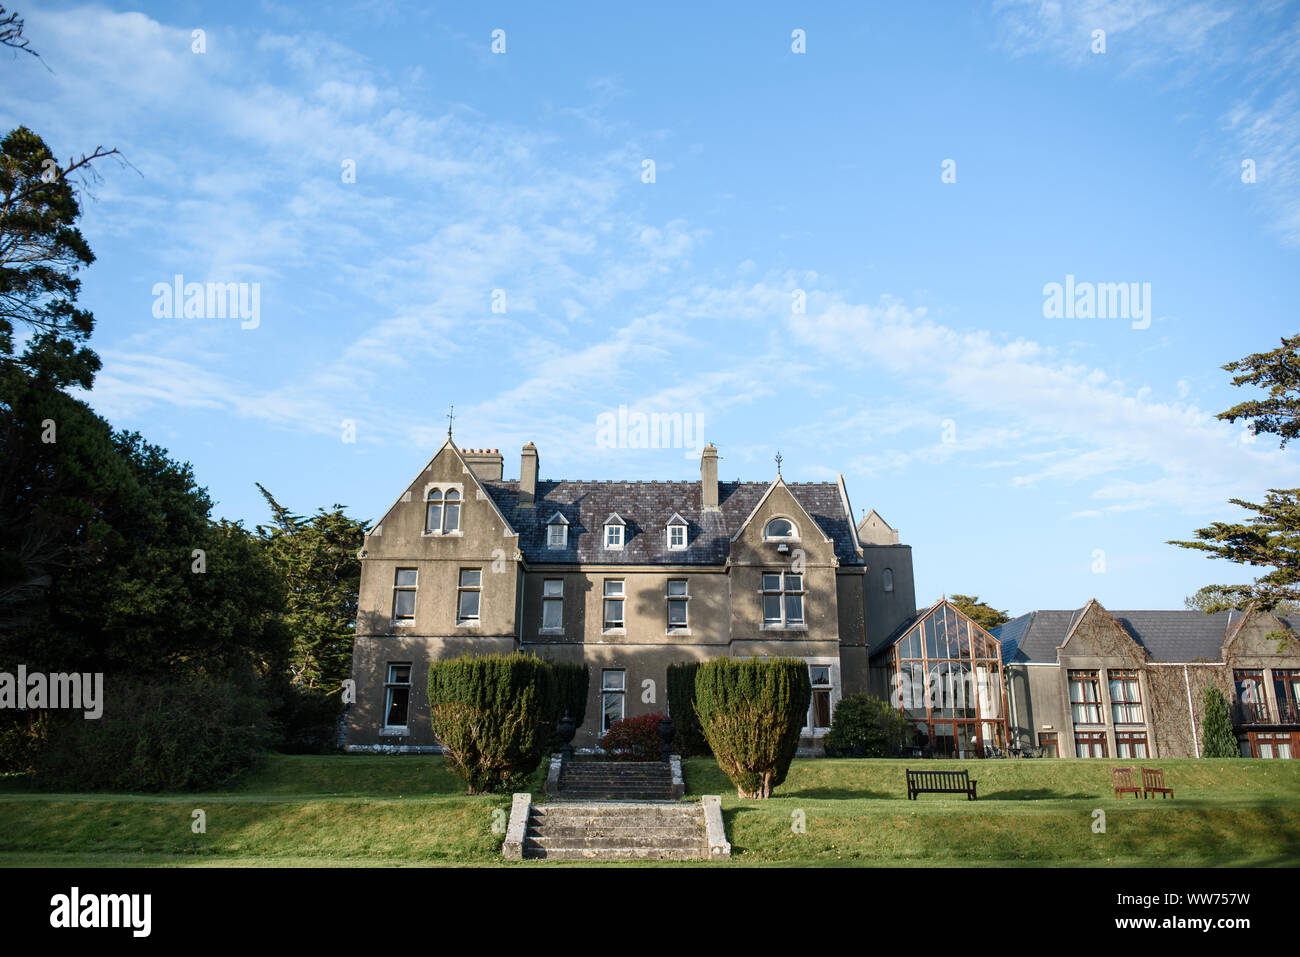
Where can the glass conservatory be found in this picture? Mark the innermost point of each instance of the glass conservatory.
(947, 680)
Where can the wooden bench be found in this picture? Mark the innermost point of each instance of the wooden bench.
(939, 782)
(1121, 780)
(1153, 782)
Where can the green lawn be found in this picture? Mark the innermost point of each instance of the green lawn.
(373, 810)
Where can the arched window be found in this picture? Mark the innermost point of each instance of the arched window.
(442, 514)
(780, 528)
(888, 579)
(451, 514)
(433, 513)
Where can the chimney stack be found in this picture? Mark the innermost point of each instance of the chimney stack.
(528, 476)
(485, 463)
(709, 477)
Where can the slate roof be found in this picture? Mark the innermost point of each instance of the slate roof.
(1167, 635)
(646, 507)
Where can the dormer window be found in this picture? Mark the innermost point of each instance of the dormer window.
(615, 529)
(676, 533)
(780, 530)
(442, 512)
(557, 531)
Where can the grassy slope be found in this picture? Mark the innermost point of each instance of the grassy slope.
(305, 810)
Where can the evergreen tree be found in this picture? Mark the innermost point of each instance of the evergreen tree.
(1216, 727)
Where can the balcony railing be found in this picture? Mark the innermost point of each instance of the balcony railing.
(1244, 713)
(1248, 712)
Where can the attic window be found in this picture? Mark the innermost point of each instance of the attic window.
(780, 529)
(677, 536)
(557, 532)
(442, 513)
(613, 536)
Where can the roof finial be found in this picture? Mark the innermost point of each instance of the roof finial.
(778, 462)
(451, 414)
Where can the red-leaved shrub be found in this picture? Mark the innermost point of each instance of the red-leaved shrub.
(634, 739)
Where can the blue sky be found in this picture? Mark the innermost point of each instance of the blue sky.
(1010, 449)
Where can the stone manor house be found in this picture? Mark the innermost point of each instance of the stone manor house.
(630, 577)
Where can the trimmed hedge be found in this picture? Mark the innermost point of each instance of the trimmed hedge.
(865, 727)
(1216, 727)
(751, 712)
(493, 716)
(690, 740)
(571, 683)
(158, 735)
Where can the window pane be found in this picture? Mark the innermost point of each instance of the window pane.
(406, 576)
(453, 518)
(613, 588)
(794, 583)
(677, 587)
(612, 680)
(453, 495)
(819, 674)
(794, 607)
(613, 613)
(433, 522)
(556, 533)
(435, 495)
(398, 698)
(552, 613)
(779, 528)
(677, 534)
(771, 608)
(553, 587)
(399, 674)
(612, 710)
(404, 604)
(677, 612)
(470, 577)
(771, 583)
(469, 604)
(821, 707)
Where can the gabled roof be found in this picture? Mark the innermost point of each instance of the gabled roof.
(614, 519)
(1166, 635)
(648, 506)
(557, 518)
(474, 480)
(777, 482)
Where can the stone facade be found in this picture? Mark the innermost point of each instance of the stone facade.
(532, 565)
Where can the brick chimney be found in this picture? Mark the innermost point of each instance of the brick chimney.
(709, 477)
(485, 463)
(528, 476)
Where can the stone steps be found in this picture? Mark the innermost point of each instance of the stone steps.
(623, 831)
(616, 781)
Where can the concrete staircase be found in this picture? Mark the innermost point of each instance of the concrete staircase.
(617, 831)
(615, 781)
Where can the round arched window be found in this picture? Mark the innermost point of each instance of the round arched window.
(888, 579)
(779, 528)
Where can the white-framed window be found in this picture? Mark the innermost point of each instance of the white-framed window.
(467, 594)
(557, 531)
(553, 604)
(442, 511)
(613, 600)
(405, 583)
(613, 689)
(678, 597)
(887, 579)
(676, 533)
(819, 707)
(780, 530)
(782, 599)
(613, 536)
(397, 695)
